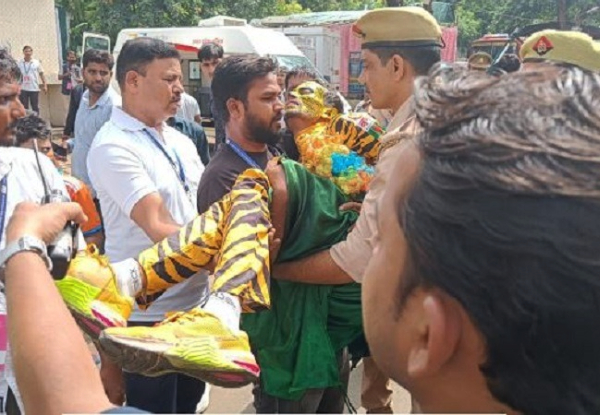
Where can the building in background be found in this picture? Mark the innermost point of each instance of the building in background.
(326, 38)
(37, 23)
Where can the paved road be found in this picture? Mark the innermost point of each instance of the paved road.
(235, 401)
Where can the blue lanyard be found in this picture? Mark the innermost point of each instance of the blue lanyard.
(178, 168)
(3, 199)
(242, 154)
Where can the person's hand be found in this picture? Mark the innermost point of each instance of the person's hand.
(113, 381)
(45, 88)
(42, 221)
(355, 206)
(276, 175)
(278, 207)
(274, 245)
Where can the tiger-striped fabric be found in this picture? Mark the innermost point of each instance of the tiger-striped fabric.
(358, 132)
(361, 133)
(235, 231)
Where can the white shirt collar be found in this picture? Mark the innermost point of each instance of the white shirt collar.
(126, 122)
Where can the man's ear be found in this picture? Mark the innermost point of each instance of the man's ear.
(132, 80)
(236, 108)
(398, 67)
(438, 335)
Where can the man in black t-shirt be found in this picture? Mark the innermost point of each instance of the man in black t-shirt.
(246, 98)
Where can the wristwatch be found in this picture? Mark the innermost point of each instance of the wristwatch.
(24, 244)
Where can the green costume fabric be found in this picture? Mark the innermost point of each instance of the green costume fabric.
(296, 341)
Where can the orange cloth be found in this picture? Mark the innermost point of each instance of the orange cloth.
(80, 194)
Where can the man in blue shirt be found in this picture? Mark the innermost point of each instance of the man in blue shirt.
(94, 110)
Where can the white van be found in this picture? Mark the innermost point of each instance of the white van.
(235, 39)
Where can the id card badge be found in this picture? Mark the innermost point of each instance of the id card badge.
(27, 79)
(69, 86)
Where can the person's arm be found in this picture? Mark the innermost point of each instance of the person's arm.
(119, 171)
(78, 75)
(197, 113)
(52, 362)
(345, 261)
(319, 268)
(151, 214)
(278, 206)
(43, 78)
(202, 144)
(70, 121)
(64, 73)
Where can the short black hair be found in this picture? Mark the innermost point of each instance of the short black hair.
(31, 126)
(27, 47)
(509, 63)
(210, 51)
(422, 59)
(233, 77)
(9, 70)
(303, 71)
(138, 53)
(504, 217)
(97, 56)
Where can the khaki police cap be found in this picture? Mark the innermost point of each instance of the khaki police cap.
(398, 27)
(480, 61)
(574, 48)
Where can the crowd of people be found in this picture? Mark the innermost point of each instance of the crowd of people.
(444, 232)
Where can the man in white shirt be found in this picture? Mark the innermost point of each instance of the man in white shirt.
(146, 175)
(20, 181)
(189, 109)
(32, 72)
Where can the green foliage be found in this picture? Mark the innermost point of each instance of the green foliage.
(474, 17)
(284, 8)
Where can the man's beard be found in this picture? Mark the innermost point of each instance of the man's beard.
(261, 133)
(7, 137)
(8, 141)
(98, 89)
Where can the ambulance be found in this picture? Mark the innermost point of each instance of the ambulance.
(234, 35)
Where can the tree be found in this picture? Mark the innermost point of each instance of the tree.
(562, 13)
(475, 18)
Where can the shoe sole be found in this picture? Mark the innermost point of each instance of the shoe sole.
(91, 315)
(199, 358)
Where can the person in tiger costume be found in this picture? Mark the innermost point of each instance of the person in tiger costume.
(234, 236)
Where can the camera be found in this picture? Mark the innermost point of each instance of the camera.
(64, 247)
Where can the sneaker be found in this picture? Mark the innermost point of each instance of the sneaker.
(195, 343)
(90, 291)
(204, 401)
